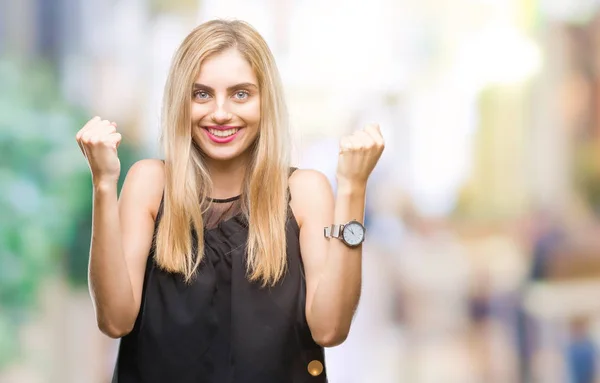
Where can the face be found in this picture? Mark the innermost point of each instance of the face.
(225, 108)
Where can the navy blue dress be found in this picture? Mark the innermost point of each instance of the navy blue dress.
(222, 328)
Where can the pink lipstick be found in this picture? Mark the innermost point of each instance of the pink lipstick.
(222, 134)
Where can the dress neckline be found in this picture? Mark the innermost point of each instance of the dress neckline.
(224, 200)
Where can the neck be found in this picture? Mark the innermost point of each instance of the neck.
(227, 177)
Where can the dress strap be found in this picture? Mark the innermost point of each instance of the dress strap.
(292, 170)
(161, 207)
(159, 212)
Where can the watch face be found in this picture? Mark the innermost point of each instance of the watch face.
(354, 233)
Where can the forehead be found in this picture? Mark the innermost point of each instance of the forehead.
(226, 68)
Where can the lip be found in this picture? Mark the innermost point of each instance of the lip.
(221, 140)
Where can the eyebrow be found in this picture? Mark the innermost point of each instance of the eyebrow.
(229, 89)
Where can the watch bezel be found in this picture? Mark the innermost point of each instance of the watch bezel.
(350, 223)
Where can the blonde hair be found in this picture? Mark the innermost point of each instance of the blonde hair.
(188, 185)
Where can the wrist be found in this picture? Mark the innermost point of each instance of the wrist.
(351, 188)
(104, 185)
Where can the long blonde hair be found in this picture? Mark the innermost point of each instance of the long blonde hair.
(188, 185)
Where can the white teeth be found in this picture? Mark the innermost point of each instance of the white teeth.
(223, 133)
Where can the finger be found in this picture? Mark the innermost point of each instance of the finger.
(98, 133)
(89, 128)
(351, 143)
(362, 140)
(92, 122)
(105, 123)
(374, 132)
(87, 125)
(86, 137)
(114, 139)
(107, 129)
(373, 127)
(345, 144)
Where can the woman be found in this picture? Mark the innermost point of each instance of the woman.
(213, 265)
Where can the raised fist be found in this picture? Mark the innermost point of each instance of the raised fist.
(359, 153)
(99, 140)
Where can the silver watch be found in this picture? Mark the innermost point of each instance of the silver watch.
(352, 233)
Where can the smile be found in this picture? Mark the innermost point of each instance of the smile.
(222, 135)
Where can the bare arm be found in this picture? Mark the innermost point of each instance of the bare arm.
(333, 270)
(121, 238)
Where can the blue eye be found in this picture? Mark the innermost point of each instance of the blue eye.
(241, 95)
(201, 95)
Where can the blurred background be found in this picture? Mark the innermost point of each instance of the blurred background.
(482, 262)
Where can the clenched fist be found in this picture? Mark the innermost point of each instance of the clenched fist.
(358, 156)
(99, 140)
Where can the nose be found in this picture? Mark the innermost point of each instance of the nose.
(221, 115)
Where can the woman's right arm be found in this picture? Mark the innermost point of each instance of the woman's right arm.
(122, 228)
(121, 239)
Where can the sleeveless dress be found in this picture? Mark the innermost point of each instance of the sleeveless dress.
(222, 328)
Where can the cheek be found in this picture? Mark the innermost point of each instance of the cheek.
(198, 111)
(250, 112)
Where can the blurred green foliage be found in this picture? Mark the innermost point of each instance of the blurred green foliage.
(587, 172)
(45, 203)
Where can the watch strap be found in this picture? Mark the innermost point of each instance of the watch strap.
(333, 231)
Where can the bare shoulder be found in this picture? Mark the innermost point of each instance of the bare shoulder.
(150, 167)
(303, 180)
(144, 184)
(311, 192)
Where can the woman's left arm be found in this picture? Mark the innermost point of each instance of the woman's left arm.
(333, 269)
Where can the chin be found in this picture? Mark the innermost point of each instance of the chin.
(223, 154)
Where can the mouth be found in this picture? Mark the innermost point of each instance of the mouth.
(222, 134)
